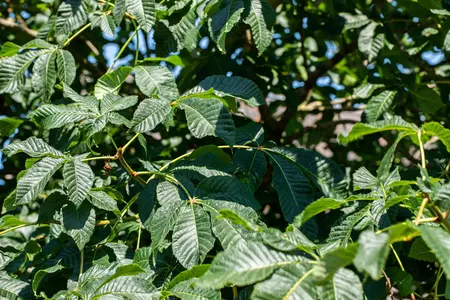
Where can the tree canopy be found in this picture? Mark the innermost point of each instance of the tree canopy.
(235, 149)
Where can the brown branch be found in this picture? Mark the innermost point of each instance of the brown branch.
(13, 25)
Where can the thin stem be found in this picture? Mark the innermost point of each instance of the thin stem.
(123, 48)
(426, 220)
(129, 169)
(139, 235)
(235, 292)
(173, 179)
(130, 141)
(422, 152)
(15, 227)
(436, 284)
(421, 209)
(77, 33)
(397, 257)
(442, 218)
(136, 54)
(81, 265)
(107, 157)
(112, 140)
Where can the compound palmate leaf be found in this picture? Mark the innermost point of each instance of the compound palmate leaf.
(209, 117)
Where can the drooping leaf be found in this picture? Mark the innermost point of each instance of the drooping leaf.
(8, 126)
(130, 287)
(149, 114)
(33, 147)
(78, 179)
(260, 18)
(369, 42)
(363, 179)
(372, 253)
(245, 264)
(36, 178)
(388, 158)
(360, 130)
(105, 23)
(185, 32)
(12, 288)
(252, 133)
(209, 117)
(354, 21)
(79, 223)
(289, 282)
(162, 222)
(252, 164)
(144, 11)
(44, 75)
(342, 230)
(366, 90)
(379, 104)
(333, 261)
(65, 64)
(224, 20)
(156, 80)
(110, 83)
(192, 238)
(293, 187)
(420, 251)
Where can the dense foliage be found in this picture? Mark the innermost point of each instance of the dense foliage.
(207, 149)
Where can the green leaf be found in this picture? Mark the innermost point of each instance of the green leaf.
(345, 285)
(388, 158)
(292, 186)
(225, 230)
(79, 223)
(110, 83)
(163, 221)
(119, 10)
(105, 23)
(65, 64)
(379, 104)
(289, 282)
(369, 42)
(290, 240)
(195, 272)
(226, 188)
(436, 129)
(431, 4)
(342, 230)
(354, 21)
(12, 77)
(245, 264)
(261, 17)
(235, 87)
(55, 116)
(12, 289)
(111, 102)
(427, 99)
(360, 130)
(324, 204)
(192, 238)
(420, 251)
(168, 193)
(185, 32)
(78, 179)
(372, 253)
(439, 241)
(188, 290)
(173, 59)
(223, 21)
(129, 287)
(363, 179)
(333, 261)
(149, 114)
(44, 75)
(71, 15)
(9, 49)
(36, 178)
(9, 125)
(447, 42)
(39, 276)
(251, 133)
(33, 147)
(209, 117)
(156, 80)
(144, 11)
(252, 164)
(366, 90)
(102, 200)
